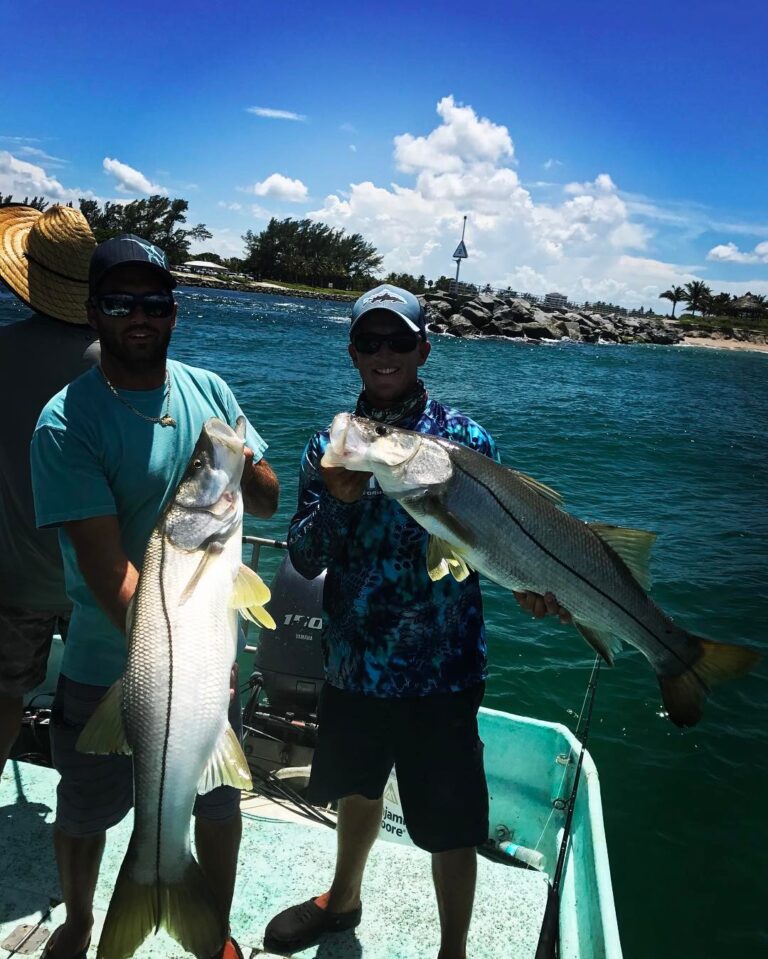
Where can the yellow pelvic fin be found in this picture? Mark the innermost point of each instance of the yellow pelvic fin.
(684, 694)
(184, 909)
(442, 559)
(632, 545)
(104, 732)
(249, 596)
(606, 644)
(227, 765)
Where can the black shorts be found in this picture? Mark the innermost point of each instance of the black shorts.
(433, 743)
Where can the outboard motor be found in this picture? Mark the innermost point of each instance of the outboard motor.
(289, 658)
(280, 717)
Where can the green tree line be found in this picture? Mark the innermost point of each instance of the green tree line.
(698, 296)
(309, 252)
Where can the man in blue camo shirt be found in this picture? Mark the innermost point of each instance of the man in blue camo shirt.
(405, 657)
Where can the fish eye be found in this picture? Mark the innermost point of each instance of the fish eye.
(381, 430)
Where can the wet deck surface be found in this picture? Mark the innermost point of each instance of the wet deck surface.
(282, 862)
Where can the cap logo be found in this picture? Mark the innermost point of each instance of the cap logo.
(384, 297)
(154, 254)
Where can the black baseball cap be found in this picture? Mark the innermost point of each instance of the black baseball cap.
(119, 250)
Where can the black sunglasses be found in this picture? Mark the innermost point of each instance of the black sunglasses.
(155, 305)
(370, 343)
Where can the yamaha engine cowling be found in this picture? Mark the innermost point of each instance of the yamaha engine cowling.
(289, 658)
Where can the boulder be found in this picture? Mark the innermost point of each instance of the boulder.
(460, 326)
(476, 315)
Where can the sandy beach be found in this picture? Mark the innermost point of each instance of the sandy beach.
(714, 344)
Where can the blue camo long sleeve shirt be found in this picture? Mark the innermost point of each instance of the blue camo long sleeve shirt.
(389, 631)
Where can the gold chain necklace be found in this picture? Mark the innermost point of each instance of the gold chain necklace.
(164, 420)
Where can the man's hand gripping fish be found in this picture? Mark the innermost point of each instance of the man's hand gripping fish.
(490, 518)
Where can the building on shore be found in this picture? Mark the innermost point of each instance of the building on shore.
(204, 267)
(557, 301)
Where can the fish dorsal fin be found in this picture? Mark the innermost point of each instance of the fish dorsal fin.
(546, 491)
(249, 596)
(211, 552)
(443, 559)
(227, 765)
(632, 545)
(604, 643)
(104, 732)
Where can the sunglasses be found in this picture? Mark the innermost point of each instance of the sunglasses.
(370, 343)
(154, 305)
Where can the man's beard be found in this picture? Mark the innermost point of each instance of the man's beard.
(148, 359)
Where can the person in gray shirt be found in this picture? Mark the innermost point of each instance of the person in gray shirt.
(44, 260)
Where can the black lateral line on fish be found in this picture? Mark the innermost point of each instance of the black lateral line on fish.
(167, 736)
(578, 575)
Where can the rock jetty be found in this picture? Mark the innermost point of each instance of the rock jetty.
(488, 314)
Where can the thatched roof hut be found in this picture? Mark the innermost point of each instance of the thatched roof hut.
(748, 305)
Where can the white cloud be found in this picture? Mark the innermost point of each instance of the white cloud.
(552, 163)
(280, 187)
(353, 148)
(347, 128)
(271, 114)
(24, 179)
(234, 207)
(41, 156)
(584, 241)
(130, 180)
(730, 253)
(462, 140)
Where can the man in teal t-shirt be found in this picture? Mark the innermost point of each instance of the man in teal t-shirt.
(107, 454)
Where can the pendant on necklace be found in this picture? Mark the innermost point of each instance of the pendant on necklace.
(167, 420)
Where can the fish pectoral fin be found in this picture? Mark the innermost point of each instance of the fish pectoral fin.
(130, 610)
(546, 491)
(211, 552)
(632, 545)
(442, 559)
(104, 732)
(604, 643)
(249, 596)
(227, 765)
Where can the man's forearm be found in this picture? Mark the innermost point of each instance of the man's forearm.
(109, 574)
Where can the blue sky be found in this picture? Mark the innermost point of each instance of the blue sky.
(602, 149)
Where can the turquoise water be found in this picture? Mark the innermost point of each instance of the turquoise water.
(669, 439)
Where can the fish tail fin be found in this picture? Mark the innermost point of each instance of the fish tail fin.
(684, 694)
(189, 916)
(131, 917)
(183, 909)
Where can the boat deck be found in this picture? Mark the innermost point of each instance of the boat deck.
(284, 859)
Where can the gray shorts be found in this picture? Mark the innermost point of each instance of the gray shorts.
(96, 792)
(25, 642)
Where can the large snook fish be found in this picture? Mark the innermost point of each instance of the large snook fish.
(512, 528)
(170, 707)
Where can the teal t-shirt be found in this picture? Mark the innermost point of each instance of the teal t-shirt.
(93, 456)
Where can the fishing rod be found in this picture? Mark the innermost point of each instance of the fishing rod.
(549, 938)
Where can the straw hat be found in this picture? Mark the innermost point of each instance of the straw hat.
(44, 259)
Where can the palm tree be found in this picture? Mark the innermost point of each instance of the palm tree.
(695, 295)
(674, 294)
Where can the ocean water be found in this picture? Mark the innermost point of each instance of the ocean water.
(669, 439)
